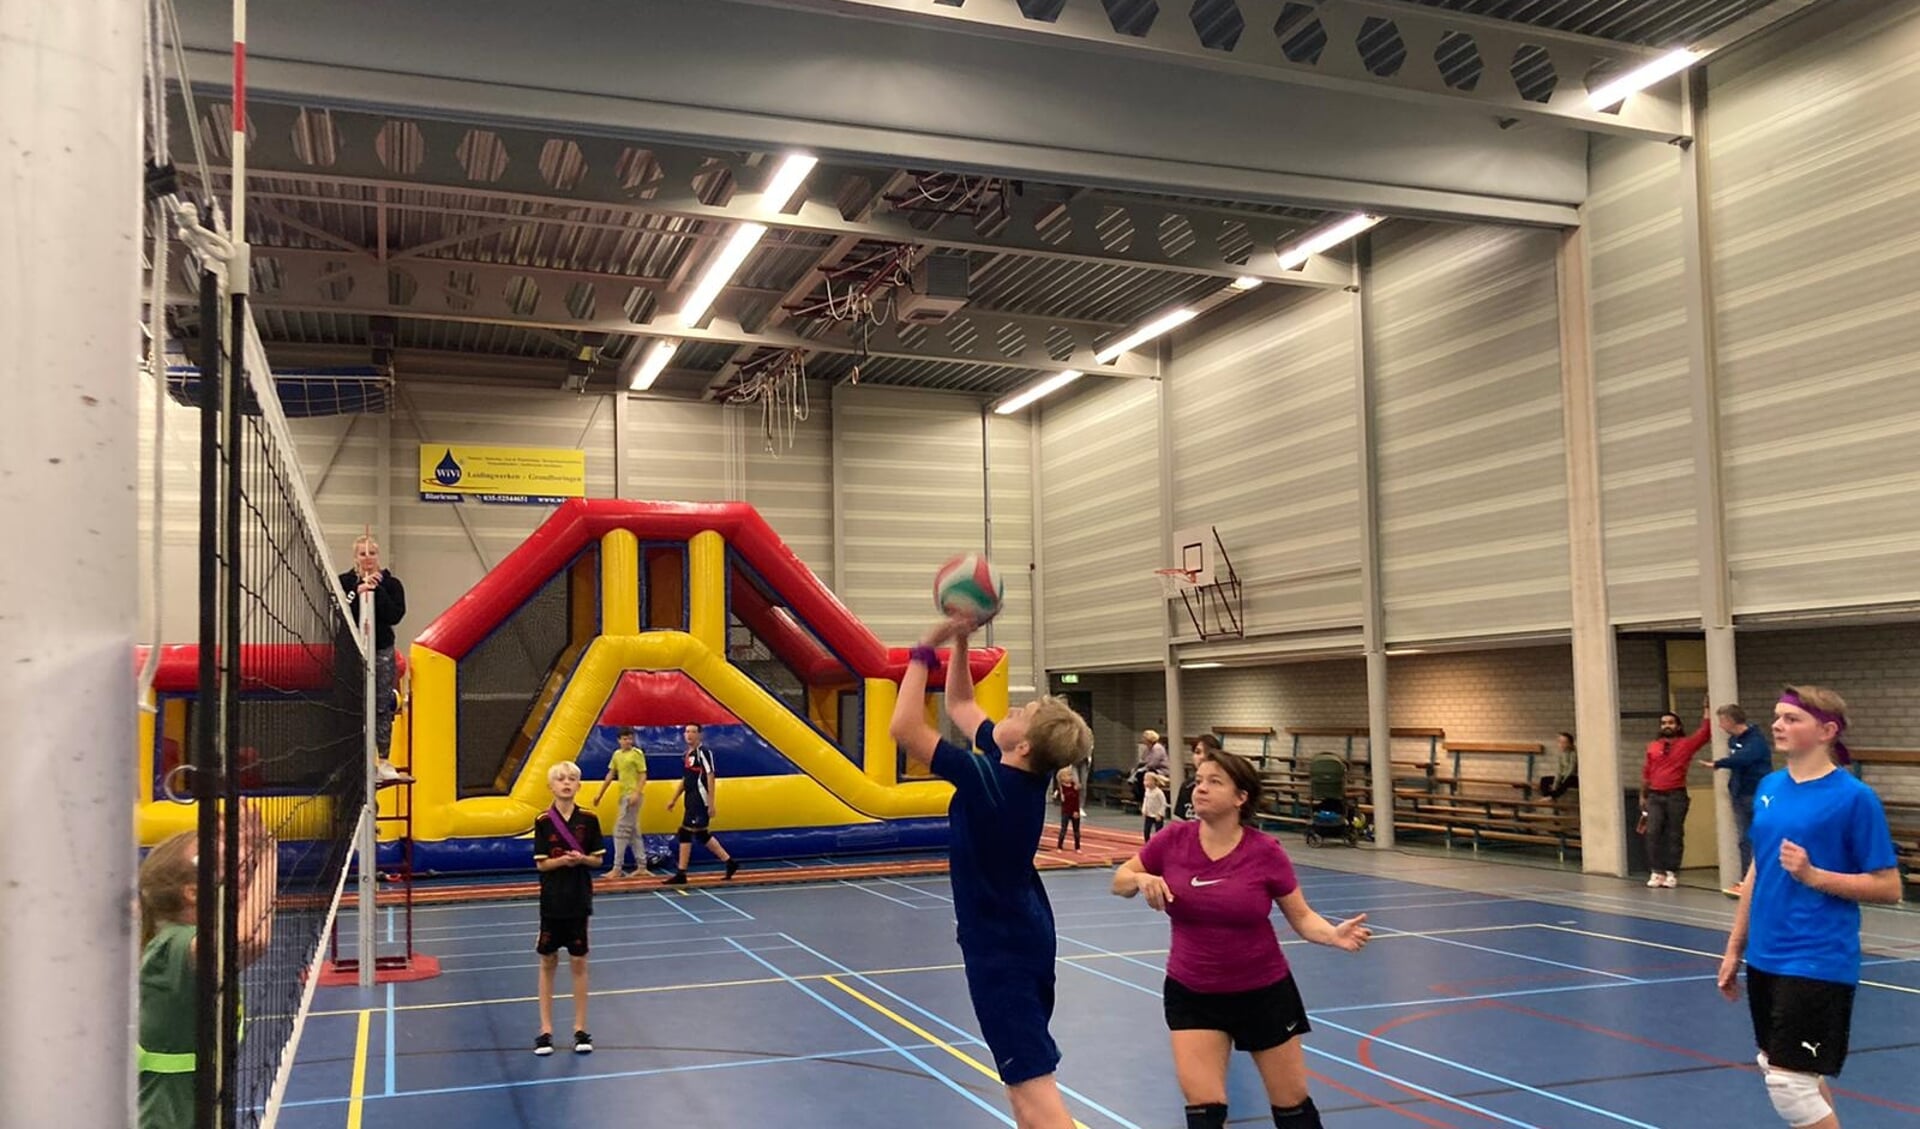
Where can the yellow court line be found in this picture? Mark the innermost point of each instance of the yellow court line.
(357, 1096)
(923, 1033)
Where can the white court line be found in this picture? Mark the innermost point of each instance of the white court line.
(1703, 953)
(1387, 932)
(916, 889)
(852, 885)
(599, 960)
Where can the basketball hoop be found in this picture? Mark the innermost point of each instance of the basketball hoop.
(1177, 582)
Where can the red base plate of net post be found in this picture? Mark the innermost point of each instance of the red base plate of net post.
(397, 969)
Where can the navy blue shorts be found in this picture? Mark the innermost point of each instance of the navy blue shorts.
(1014, 1004)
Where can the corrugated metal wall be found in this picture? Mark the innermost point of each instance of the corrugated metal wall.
(1472, 467)
(1010, 455)
(1640, 371)
(792, 489)
(1266, 449)
(1814, 162)
(913, 495)
(1100, 525)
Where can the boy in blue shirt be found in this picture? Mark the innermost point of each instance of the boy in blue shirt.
(1820, 848)
(998, 811)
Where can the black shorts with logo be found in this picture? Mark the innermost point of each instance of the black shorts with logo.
(1256, 1020)
(556, 933)
(1800, 1024)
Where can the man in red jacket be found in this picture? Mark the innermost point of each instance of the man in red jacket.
(1663, 796)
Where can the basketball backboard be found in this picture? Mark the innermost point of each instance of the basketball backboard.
(1194, 548)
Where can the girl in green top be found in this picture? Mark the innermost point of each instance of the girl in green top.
(169, 896)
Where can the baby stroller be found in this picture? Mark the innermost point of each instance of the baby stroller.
(1333, 814)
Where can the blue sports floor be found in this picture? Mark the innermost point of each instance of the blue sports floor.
(842, 1006)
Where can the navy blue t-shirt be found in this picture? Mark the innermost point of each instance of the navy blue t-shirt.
(996, 818)
(1794, 929)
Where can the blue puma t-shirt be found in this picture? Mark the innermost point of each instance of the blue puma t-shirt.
(1793, 929)
(995, 821)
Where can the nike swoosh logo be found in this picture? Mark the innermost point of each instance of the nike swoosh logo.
(1209, 882)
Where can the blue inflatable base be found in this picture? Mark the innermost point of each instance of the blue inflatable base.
(511, 853)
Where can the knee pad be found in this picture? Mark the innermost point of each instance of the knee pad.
(1212, 1116)
(1302, 1116)
(1796, 1097)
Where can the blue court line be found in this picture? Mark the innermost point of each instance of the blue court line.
(1386, 931)
(949, 1025)
(873, 1034)
(724, 902)
(598, 960)
(1314, 1015)
(572, 1078)
(675, 903)
(389, 1036)
(1491, 1077)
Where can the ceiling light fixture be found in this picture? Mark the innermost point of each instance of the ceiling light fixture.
(786, 181)
(1297, 255)
(652, 363)
(1246, 282)
(1146, 333)
(720, 271)
(1034, 391)
(1638, 79)
(1202, 666)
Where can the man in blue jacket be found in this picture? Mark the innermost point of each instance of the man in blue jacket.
(1749, 758)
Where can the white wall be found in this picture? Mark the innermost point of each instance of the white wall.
(1266, 450)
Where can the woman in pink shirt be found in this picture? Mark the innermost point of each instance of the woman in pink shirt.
(1228, 984)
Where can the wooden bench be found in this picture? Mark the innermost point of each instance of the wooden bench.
(1875, 766)
(1528, 749)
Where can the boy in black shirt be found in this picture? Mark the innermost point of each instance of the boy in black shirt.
(567, 849)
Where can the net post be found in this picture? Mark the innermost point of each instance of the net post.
(368, 875)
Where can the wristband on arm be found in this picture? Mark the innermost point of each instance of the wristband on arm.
(926, 656)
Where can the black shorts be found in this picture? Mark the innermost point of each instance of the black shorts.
(691, 834)
(1800, 1024)
(1014, 1004)
(557, 933)
(1256, 1020)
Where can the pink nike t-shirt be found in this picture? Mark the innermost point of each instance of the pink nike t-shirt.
(1223, 938)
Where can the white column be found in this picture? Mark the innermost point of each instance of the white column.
(1373, 614)
(622, 406)
(70, 75)
(1716, 613)
(1170, 657)
(1596, 684)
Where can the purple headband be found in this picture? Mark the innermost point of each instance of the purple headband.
(1840, 753)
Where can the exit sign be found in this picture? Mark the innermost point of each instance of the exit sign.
(1069, 680)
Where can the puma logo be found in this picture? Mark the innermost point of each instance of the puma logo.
(1812, 1049)
(1209, 882)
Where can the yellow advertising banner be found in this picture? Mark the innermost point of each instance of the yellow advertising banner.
(524, 476)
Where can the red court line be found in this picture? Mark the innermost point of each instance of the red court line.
(1373, 1101)
(1686, 1052)
(1366, 1051)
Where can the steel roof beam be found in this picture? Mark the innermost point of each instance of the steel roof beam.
(1259, 51)
(585, 172)
(533, 298)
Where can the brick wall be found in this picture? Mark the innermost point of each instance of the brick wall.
(1877, 670)
(1123, 705)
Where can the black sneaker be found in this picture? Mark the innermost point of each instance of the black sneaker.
(679, 879)
(582, 1043)
(733, 867)
(543, 1045)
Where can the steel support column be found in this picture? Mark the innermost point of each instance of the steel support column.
(1373, 613)
(1596, 691)
(1716, 613)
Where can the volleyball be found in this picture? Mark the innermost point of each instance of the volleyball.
(968, 585)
